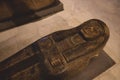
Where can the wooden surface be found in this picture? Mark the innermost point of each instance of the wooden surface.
(75, 13)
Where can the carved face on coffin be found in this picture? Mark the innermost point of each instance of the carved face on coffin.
(92, 30)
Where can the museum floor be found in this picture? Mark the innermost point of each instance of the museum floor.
(75, 13)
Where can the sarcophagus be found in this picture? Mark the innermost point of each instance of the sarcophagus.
(17, 12)
(58, 56)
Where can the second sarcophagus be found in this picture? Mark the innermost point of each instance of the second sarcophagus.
(58, 56)
(18, 12)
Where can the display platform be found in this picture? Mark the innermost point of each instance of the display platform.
(20, 18)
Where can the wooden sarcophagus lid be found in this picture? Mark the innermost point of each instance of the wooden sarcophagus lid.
(58, 56)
